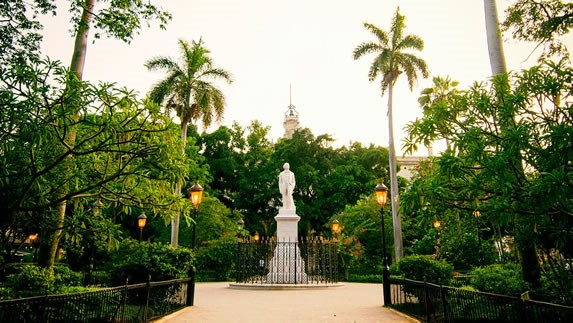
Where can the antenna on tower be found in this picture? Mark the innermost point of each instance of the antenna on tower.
(291, 123)
(291, 111)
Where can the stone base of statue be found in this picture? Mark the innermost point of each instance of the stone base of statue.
(287, 266)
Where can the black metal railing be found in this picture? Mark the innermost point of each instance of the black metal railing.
(434, 303)
(129, 303)
(271, 262)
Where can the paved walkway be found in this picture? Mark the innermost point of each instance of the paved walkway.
(351, 302)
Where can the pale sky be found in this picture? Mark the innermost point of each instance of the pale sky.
(268, 45)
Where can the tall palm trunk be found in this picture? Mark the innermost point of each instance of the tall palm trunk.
(176, 219)
(395, 193)
(77, 67)
(494, 42)
(525, 233)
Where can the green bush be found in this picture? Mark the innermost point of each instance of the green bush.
(466, 251)
(424, 268)
(370, 278)
(499, 279)
(215, 259)
(135, 261)
(64, 276)
(31, 280)
(556, 286)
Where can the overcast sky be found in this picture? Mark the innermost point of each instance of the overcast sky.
(268, 45)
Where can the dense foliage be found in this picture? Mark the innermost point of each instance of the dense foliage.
(32, 280)
(424, 268)
(80, 161)
(500, 279)
(136, 262)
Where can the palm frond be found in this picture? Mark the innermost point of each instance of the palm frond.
(216, 74)
(379, 33)
(365, 49)
(161, 63)
(397, 28)
(411, 42)
(412, 65)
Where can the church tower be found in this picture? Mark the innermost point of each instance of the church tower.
(291, 123)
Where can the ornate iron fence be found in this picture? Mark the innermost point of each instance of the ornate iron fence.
(129, 303)
(271, 262)
(433, 303)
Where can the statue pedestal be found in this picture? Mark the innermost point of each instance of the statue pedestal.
(287, 225)
(287, 266)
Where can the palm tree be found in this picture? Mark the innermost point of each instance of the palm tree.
(392, 59)
(530, 267)
(187, 90)
(494, 43)
(436, 100)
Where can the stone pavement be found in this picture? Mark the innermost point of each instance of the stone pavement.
(350, 302)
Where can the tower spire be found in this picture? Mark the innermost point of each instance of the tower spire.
(291, 123)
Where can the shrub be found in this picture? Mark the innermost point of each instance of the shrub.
(556, 286)
(370, 278)
(499, 279)
(31, 280)
(64, 276)
(135, 261)
(424, 268)
(216, 257)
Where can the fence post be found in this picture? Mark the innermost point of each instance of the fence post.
(125, 298)
(191, 287)
(426, 302)
(445, 306)
(148, 293)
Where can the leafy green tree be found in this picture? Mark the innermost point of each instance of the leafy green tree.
(360, 224)
(20, 31)
(126, 153)
(214, 220)
(515, 171)
(257, 177)
(434, 102)
(120, 19)
(311, 159)
(187, 90)
(392, 59)
(542, 22)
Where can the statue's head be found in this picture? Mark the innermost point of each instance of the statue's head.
(286, 166)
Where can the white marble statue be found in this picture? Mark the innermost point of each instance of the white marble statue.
(286, 187)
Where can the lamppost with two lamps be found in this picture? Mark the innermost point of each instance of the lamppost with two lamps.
(381, 198)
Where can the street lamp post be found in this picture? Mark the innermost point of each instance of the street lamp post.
(477, 215)
(141, 221)
(335, 228)
(195, 195)
(381, 197)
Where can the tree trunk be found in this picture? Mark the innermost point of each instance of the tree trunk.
(525, 236)
(494, 41)
(77, 67)
(394, 191)
(176, 219)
